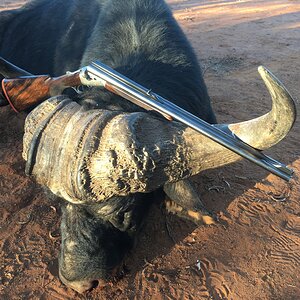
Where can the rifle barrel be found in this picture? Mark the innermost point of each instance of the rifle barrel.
(144, 97)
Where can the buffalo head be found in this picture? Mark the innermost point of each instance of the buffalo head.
(101, 153)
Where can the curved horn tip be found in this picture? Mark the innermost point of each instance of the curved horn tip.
(267, 130)
(269, 77)
(277, 90)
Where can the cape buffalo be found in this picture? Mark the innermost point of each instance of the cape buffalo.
(134, 153)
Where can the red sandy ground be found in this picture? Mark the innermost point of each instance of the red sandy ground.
(254, 252)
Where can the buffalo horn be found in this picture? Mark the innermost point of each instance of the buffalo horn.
(91, 155)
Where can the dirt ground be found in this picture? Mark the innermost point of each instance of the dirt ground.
(254, 251)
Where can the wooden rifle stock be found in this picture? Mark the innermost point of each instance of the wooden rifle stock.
(28, 91)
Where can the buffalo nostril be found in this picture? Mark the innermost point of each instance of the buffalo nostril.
(95, 283)
(80, 286)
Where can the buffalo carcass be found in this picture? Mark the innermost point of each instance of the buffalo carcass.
(102, 154)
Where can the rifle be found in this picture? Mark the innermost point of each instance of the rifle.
(19, 94)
